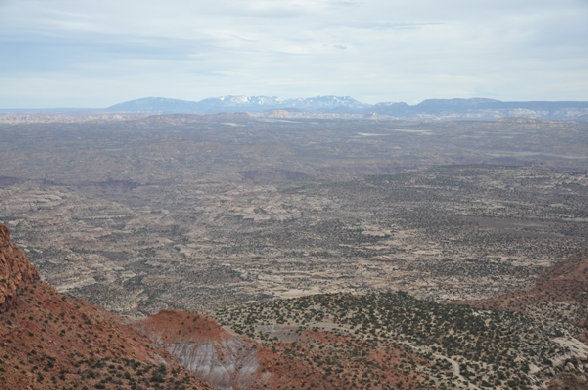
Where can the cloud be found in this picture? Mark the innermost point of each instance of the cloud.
(370, 49)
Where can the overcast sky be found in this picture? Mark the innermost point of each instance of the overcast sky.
(79, 53)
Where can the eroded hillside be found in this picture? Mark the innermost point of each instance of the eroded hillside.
(50, 341)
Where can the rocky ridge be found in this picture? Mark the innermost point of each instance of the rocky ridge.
(17, 272)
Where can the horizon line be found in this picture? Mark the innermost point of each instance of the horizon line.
(73, 108)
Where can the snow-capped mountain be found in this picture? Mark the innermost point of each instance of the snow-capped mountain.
(232, 103)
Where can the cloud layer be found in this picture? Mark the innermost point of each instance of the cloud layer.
(79, 53)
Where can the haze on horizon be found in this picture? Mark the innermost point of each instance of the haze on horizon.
(65, 53)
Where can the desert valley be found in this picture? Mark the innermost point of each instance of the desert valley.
(281, 250)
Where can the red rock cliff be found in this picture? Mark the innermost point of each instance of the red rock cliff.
(16, 271)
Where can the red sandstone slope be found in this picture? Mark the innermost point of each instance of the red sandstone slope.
(174, 326)
(564, 284)
(16, 272)
(565, 281)
(560, 294)
(49, 341)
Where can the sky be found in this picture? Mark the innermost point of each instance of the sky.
(79, 53)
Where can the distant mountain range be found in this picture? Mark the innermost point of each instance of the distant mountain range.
(337, 104)
(474, 108)
(341, 106)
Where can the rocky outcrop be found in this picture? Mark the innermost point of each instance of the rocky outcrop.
(227, 365)
(206, 349)
(16, 271)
